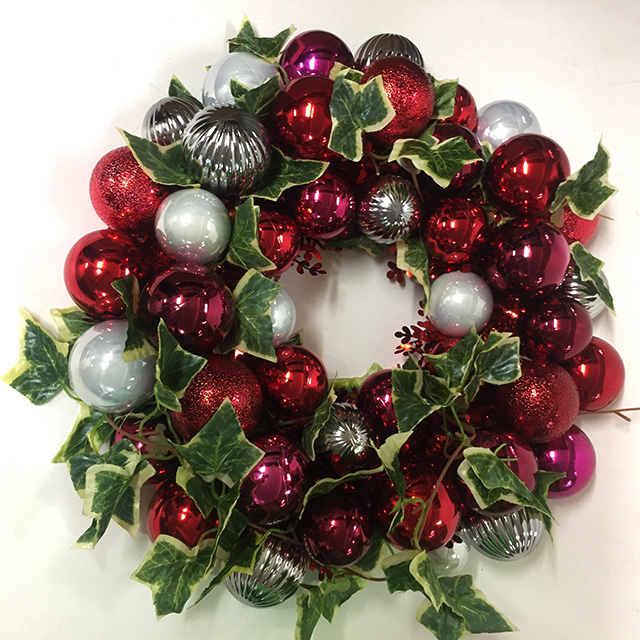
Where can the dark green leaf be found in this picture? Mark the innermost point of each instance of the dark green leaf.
(589, 268)
(350, 74)
(258, 100)
(244, 249)
(487, 150)
(444, 93)
(351, 385)
(455, 365)
(137, 346)
(445, 624)
(71, 322)
(421, 569)
(412, 256)
(358, 241)
(178, 90)
(398, 574)
(199, 490)
(267, 48)
(78, 439)
(388, 454)
(371, 563)
(314, 426)
(544, 479)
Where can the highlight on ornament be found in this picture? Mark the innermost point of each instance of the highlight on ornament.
(271, 478)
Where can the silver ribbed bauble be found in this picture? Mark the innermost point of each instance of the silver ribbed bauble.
(387, 45)
(450, 559)
(227, 150)
(390, 211)
(276, 576)
(501, 120)
(283, 317)
(507, 537)
(345, 434)
(166, 120)
(583, 292)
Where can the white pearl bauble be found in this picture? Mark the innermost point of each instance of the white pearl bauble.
(504, 119)
(283, 317)
(193, 225)
(458, 301)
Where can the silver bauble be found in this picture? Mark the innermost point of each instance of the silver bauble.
(166, 120)
(345, 434)
(451, 558)
(99, 375)
(249, 70)
(583, 292)
(278, 572)
(283, 317)
(193, 225)
(390, 211)
(501, 120)
(226, 149)
(458, 301)
(507, 537)
(387, 45)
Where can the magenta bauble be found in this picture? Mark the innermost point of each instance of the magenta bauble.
(313, 53)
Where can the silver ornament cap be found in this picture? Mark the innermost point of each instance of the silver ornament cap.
(451, 558)
(501, 120)
(387, 45)
(345, 434)
(166, 120)
(583, 293)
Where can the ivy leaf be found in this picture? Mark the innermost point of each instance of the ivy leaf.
(267, 48)
(88, 419)
(41, 370)
(587, 190)
(397, 570)
(388, 454)
(487, 150)
(589, 268)
(71, 323)
(163, 164)
(445, 624)
(258, 100)
(421, 569)
(314, 426)
(455, 365)
(350, 74)
(253, 297)
(199, 490)
(356, 109)
(244, 250)
(371, 563)
(178, 90)
(358, 241)
(444, 93)
(412, 256)
(351, 385)
(439, 160)
(544, 479)
(285, 172)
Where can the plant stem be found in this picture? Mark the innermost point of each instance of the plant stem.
(616, 412)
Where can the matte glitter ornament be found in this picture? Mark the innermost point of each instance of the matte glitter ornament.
(576, 228)
(222, 377)
(465, 112)
(99, 375)
(122, 194)
(502, 120)
(279, 239)
(375, 401)
(584, 293)
(387, 45)
(166, 119)
(283, 317)
(313, 53)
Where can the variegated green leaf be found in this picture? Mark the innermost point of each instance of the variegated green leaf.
(258, 100)
(244, 249)
(71, 322)
(314, 426)
(267, 48)
(178, 90)
(589, 268)
(444, 94)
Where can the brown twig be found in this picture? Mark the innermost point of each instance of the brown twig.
(616, 412)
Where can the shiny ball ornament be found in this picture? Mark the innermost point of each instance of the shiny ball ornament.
(325, 207)
(280, 568)
(272, 494)
(279, 239)
(246, 68)
(599, 374)
(465, 111)
(410, 92)
(502, 120)
(222, 377)
(528, 257)
(451, 558)
(295, 385)
(122, 194)
(523, 174)
(226, 150)
(375, 401)
(387, 45)
(173, 513)
(166, 120)
(459, 301)
(542, 404)
(94, 263)
(99, 375)
(575, 228)
(336, 529)
(390, 211)
(571, 454)
(194, 303)
(283, 317)
(313, 53)
(193, 225)
(583, 293)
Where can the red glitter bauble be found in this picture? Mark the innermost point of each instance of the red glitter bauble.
(524, 172)
(273, 492)
(295, 385)
(410, 91)
(376, 404)
(194, 303)
(542, 404)
(557, 329)
(577, 229)
(279, 238)
(173, 513)
(222, 377)
(456, 231)
(336, 529)
(302, 119)
(465, 112)
(598, 373)
(94, 263)
(122, 194)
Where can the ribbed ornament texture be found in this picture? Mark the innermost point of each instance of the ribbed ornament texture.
(166, 120)
(387, 45)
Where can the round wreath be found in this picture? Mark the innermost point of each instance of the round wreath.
(271, 477)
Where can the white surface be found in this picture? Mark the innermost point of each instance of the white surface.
(73, 71)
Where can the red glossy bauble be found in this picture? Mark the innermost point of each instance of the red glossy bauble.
(456, 231)
(524, 172)
(194, 303)
(443, 518)
(598, 373)
(507, 317)
(325, 207)
(465, 112)
(527, 257)
(410, 92)
(96, 261)
(557, 329)
(222, 377)
(295, 385)
(542, 404)
(173, 513)
(123, 195)
(577, 229)
(302, 120)
(376, 404)
(279, 238)
(273, 492)
(314, 53)
(425, 446)
(336, 529)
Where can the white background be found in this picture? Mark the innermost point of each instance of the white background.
(73, 71)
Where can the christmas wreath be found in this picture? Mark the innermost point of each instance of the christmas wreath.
(272, 478)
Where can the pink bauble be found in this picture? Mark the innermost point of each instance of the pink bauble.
(314, 53)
